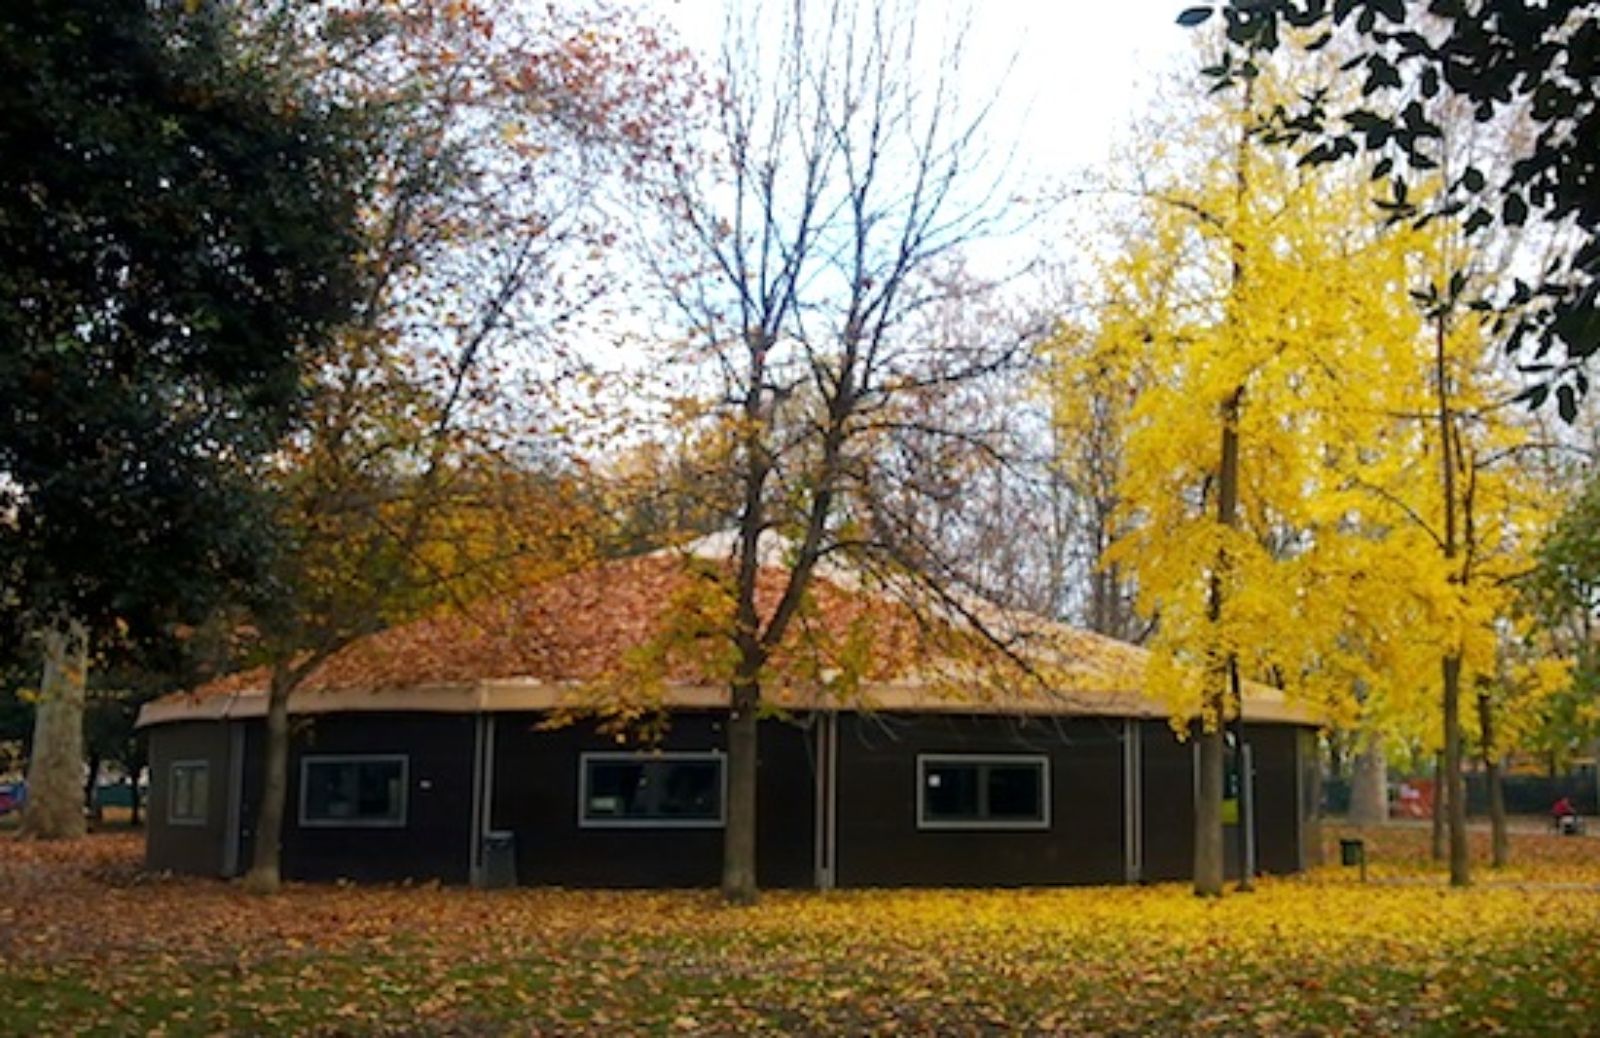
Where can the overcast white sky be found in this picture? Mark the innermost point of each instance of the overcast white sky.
(1081, 67)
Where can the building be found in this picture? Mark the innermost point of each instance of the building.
(468, 749)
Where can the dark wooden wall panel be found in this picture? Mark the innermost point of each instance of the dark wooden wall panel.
(191, 849)
(880, 844)
(434, 842)
(1272, 749)
(536, 799)
(1168, 781)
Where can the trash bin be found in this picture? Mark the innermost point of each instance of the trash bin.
(499, 859)
(1352, 852)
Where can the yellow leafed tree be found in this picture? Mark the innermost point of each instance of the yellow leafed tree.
(1281, 315)
(1318, 486)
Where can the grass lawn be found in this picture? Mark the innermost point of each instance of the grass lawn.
(88, 943)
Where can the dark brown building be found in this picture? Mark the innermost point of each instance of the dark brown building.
(457, 774)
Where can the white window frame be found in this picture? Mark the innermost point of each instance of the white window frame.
(309, 760)
(612, 757)
(173, 818)
(1039, 760)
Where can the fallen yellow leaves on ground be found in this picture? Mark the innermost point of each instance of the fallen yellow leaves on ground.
(90, 943)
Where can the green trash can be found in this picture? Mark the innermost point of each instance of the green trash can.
(1352, 852)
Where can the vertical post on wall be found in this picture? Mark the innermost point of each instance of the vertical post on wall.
(827, 798)
(475, 826)
(1132, 801)
(233, 820)
(486, 813)
(819, 798)
(1247, 810)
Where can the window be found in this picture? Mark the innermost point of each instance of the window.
(963, 791)
(353, 791)
(651, 790)
(189, 793)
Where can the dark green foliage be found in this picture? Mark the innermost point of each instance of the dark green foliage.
(1564, 592)
(177, 227)
(1567, 581)
(1539, 57)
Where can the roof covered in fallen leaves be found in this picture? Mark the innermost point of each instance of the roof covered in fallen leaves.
(651, 629)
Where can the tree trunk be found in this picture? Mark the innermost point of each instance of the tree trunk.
(739, 838)
(133, 792)
(1500, 844)
(1369, 785)
(265, 875)
(91, 803)
(1208, 801)
(1460, 866)
(1208, 813)
(54, 809)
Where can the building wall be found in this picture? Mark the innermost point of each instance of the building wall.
(434, 842)
(1168, 810)
(876, 838)
(880, 844)
(1277, 788)
(536, 799)
(1280, 822)
(188, 848)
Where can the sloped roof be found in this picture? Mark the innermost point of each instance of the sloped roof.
(647, 627)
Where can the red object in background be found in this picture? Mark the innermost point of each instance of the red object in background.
(1414, 799)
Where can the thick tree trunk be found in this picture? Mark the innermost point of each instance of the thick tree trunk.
(739, 838)
(1369, 785)
(54, 808)
(1460, 865)
(1500, 843)
(1208, 814)
(265, 875)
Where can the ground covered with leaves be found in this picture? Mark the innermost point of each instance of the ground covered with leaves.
(89, 943)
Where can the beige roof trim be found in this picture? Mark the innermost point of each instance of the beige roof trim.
(528, 694)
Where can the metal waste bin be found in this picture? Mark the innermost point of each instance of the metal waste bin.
(499, 859)
(1354, 852)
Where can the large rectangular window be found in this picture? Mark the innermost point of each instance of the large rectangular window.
(189, 792)
(968, 791)
(651, 790)
(353, 791)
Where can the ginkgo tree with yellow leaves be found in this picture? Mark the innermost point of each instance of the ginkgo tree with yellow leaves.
(1458, 500)
(1269, 487)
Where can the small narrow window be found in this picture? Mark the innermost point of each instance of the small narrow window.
(353, 791)
(961, 791)
(189, 792)
(651, 790)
